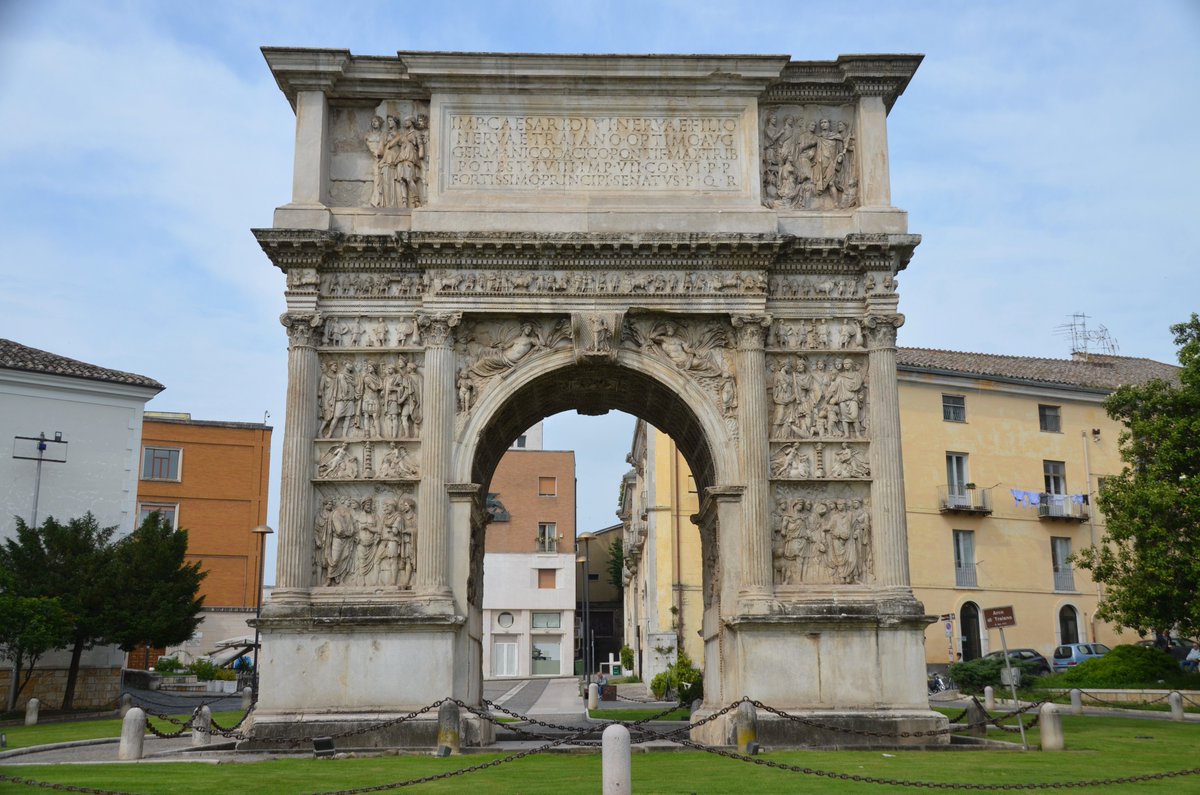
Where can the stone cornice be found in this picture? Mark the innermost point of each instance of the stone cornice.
(533, 250)
(844, 80)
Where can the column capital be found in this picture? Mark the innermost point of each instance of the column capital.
(881, 329)
(751, 331)
(438, 327)
(302, 328)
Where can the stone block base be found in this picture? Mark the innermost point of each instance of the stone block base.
(821, 729)
(269, 732)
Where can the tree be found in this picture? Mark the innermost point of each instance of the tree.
(29, 627)
(1149, 560)
(616, 563)
(135, 590)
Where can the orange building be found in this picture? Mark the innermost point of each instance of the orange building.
(211, 479)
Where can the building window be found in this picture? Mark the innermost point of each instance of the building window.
(547, 537)
(1055, 473)
(160, 463)
(547, 656)
(547, 487)
(1060, 553)
(520, 442)
(505, 620)
(954, 408)
(547, 578)
(169, 512)
(1050, 419)
(504, 657)
(964, 559)
(956, 480)
(547, 620)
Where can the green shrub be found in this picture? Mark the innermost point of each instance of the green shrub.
(626, 659)
(683, 680)
(168, 665)
(1124, 666)
(660, 684)
(974, 676)
(204, 670)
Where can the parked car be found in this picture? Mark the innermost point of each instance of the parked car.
(1178, 648)
(1071, 654)
(1031, 657)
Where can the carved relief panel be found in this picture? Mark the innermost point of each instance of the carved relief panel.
(586, 282)
(347, 284)
(365, 536)
(487, 349)
(700, 348)
(379, 157)
(809, 160)
(818, 397)
(821, 535)
(368, 396)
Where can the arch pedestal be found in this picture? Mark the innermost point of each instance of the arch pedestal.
(730, 284)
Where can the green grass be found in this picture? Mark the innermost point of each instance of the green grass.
(68, 731)
(680, 713)
(1097, 748)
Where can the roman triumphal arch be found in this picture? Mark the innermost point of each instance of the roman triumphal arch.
(477, 241)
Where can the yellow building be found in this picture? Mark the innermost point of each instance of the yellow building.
(1003, 458)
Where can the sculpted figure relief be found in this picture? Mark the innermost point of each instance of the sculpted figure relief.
(606, 282)
(399, 163)
(814, 287)
(807, 162)
(822, 541)
(366, 540)
(495, 348)
(397, 464)
(368, 397)
(371, 285)
(817, 397)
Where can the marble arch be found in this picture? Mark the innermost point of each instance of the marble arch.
(476, 241)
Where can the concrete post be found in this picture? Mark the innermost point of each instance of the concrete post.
(1051, 728)
(247, 698)
(31, 711)
(989, 698)
(126, 704)
(133, 735)
(616, 762)
(202, 726)
(593, 696)
(449, 731)
(746, 721)
(1076, 701)
(1176, 702)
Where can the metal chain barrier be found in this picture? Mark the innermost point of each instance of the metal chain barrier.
(1123, 704)
(1190, 700)
(28, 782)
(218, 728)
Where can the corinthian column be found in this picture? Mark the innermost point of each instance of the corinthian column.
(753, 426)
(293, 570)
(437, 431)
(887, 473)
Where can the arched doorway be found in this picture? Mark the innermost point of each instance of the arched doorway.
(1068, 625)
(972, 647)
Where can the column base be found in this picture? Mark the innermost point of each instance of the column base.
(295, 731)
(824, 729)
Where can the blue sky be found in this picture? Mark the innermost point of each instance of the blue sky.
(1046, 152)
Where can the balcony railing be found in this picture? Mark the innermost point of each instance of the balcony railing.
(964, 577)
(547, 545)
(965, 500)
(1062, 506)
(1064, 580)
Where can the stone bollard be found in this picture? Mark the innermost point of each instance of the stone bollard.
(202, 726)
(247, 698)
(989, 698)
(126, 704)
(746, 721)
(1176, 702)
(616, 763)
(133, 735)
(977, 719)
(593, 696)
(449, 731)
(1050, 725)
(31, 711)
(1076, 701)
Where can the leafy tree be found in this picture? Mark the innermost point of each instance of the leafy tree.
(135, 590)
(616, 563)
(30, 627)
(1149, 562)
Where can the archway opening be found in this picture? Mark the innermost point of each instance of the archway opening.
(972, 647)
(1068, 625)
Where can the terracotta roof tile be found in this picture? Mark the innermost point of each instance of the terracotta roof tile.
(14, 356)
(1094, 372)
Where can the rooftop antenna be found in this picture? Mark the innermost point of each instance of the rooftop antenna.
(1085, 341)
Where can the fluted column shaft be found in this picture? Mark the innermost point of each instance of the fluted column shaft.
(887, 472)
(437, 430)
(293, 569)
(753, 426)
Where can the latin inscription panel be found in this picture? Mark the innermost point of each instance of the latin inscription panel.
(594, 151)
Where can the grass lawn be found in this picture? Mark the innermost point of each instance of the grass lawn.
(67, 731)
(681, 713)
(1097, 748)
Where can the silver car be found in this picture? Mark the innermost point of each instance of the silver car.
(1071, 654)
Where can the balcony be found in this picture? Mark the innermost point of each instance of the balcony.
(1064, 579)
(1068, 507)
(964, 577)
(970, 500)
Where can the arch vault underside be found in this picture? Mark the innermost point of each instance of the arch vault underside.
(437, 308)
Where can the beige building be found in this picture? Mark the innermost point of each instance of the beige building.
(1003, 459)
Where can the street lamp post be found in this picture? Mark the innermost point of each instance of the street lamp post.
(587, 590)
(262, 531)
